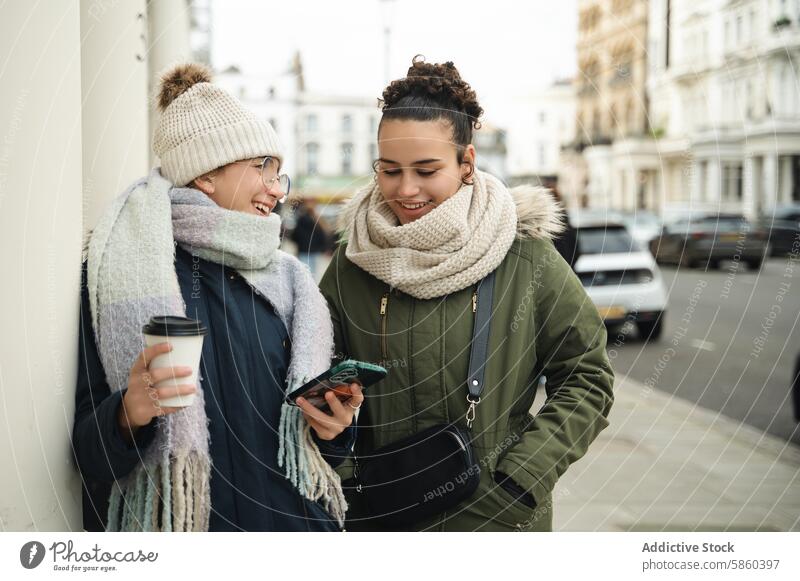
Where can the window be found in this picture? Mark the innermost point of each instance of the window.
(311, 123)
(542, 156)
(347, 158)
(732, 182)
(312, 158)
(347, 123)
(373, 125)
(739, 26)
(542, 117)
(749, 100)
(605, 240)
(632, 125)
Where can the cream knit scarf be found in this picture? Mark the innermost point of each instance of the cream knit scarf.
(131, 277)
(448, 249)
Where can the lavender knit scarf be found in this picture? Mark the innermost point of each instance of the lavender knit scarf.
(131, 277)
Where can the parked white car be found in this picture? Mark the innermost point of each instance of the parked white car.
(622, 278)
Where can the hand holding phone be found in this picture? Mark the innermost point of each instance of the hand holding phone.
(338, 379)
(331, 422)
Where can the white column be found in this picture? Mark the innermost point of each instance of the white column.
(769, 192)
(167, 43)
(751, 176)
(40, 250)
(698, 181)
(786, 180)
(114, 85)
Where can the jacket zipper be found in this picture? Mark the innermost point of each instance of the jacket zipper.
(475, 301)
(384, 346)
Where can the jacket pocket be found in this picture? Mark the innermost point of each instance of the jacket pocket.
(494, 504)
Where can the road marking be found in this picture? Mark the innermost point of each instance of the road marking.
(700, 344)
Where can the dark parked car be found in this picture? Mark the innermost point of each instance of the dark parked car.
(783, 226)
(707, 239)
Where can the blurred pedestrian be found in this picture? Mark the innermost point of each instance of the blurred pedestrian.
(422, 244)
(311, 235)
(567, 241)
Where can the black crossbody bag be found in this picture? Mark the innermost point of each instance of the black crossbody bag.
(433, 470)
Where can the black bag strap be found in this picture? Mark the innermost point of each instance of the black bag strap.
(480, 344)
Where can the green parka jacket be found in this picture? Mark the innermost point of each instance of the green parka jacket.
(543, 324)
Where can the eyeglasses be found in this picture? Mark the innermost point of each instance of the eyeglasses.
(270, 178)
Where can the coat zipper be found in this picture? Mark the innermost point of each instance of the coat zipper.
(384, 346)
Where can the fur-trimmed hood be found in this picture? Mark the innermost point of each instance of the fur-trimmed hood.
(539, 214)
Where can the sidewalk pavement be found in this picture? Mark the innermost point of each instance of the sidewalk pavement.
(664, 464)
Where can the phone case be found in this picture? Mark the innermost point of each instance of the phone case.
(344, 373)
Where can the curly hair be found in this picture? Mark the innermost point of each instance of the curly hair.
(431, 92)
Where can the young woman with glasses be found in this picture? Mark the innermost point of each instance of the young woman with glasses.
(198, 238)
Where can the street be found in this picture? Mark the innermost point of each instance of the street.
(729, 345)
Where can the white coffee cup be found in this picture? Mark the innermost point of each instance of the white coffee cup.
(186, 337)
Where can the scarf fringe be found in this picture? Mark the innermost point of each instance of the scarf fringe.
(304, 466)
(175, 490)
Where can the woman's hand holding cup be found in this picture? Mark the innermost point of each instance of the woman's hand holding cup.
(141, 402)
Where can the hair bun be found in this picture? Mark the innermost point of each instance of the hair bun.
(439, 81)
(177, 80)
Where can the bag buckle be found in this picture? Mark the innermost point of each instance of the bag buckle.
(473, 403)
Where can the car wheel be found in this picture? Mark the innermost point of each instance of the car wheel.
(754, 264)
(687, 261)
(651, 330)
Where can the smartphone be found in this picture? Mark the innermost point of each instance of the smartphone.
(345, 373)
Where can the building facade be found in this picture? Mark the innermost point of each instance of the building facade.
(613, 126)
(331, 141)
(544, 122)
(726, 103)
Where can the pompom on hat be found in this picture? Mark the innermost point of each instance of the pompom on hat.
(203, 127)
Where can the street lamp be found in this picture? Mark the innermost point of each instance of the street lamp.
(387, 17)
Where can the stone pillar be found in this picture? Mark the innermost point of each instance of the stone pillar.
(698, 181)
(40, 250)
(114, 85)
(769, 192)
(751, 177)
(786, 180)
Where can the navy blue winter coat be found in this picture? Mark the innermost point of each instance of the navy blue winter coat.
(243, 373)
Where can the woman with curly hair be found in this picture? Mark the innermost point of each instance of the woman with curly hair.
(198, 238)
(405, 289)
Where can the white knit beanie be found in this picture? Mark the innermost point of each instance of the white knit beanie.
(203, 127)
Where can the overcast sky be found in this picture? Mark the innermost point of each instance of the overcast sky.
(501, 47)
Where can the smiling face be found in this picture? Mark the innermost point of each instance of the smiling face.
(239, 186)
(418, 168)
